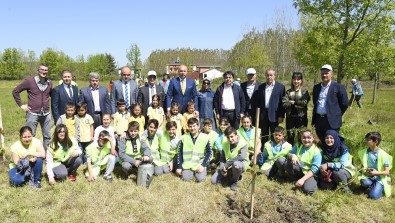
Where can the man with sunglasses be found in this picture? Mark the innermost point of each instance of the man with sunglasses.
(37, 108)
(205, 103)
(125, 89)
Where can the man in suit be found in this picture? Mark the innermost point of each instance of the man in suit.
(62, 94)
(229, 100)
(96, 97)
(268, 98)
(330, 102)
(125, 89)
(181, 90)
(249, 87)
(151, 88)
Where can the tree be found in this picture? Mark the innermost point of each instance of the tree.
(102, 63)
(134, 57)
(346, 22)
(11, 64)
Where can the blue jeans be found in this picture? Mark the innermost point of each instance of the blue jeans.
(376, 188)
(17, 179)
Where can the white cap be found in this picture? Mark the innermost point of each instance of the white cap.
(251, 71)
(327, 67)
(353, 80)
(237, 79)
(151, 73)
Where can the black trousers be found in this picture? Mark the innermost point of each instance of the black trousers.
(266, 127)
(321, 126)
(292, 123)
(232, 117)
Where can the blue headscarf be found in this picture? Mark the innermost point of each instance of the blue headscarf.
(337, 149)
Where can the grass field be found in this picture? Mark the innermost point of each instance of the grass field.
(169, 199)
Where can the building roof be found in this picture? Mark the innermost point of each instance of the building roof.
(194, 75)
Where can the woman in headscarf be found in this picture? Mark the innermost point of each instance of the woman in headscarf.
(336, 168)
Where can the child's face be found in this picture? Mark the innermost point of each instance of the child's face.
(307, 139)
(233, 138)
(278, 137)
(193, 129)
(121, 108)
(106, 120)
(174, 110)
(70, 111)
(370, 143)
(155, 102)
(137, 110)
(26, 138)
(207, 128)
(152, 129)
(329, 140)
(191, 109)
(223, 126)
(133, 132)
(61, 134)
(81, 112)
(246, 123)
(172, 131)
(103, 140)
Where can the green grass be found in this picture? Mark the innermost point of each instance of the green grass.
(169, 199)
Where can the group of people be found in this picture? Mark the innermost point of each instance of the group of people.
(173, 127)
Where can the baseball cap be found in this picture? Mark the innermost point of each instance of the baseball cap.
(151, 73)
(251, 71)
(327, 67)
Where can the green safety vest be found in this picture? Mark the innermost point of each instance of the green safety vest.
(60, 156)
(250, 141)
(382, 156)
(193, 154)
(166, 152)
(154, 147)
(307, 157)
(213, 136)
(349, 167)
(20, 150)
(230, 155)
(99, 156)
(285, 148)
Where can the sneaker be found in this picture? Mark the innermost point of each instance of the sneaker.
(36, 185)
(233, 186)
(109, 179)
(72, 177)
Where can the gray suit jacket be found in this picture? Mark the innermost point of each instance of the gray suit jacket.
(86, 96)
(143, 97)
(117, 93)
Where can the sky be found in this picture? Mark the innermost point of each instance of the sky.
(99, 26)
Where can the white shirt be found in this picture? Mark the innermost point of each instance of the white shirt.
(66, 87)
(268, 93)
(100, 128)
(151, 92)
(250, 90)
(321, 106)
(96, 99)
(228, 101)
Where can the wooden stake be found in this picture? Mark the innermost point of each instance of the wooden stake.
(257, 137)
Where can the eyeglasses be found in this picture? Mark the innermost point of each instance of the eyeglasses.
(206, 83)
(127, 75)
(43, 69)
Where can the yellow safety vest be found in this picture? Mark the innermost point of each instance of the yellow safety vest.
(307, 157)
(230, 155)
(285, 148)
(193, 154)
(166, 152)
(61, 155)
(250, 141)
(20, 150)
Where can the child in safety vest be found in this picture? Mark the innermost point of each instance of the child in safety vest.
(223, 124)
(100, 155)
(168, 142)
(274, 154)
(70, 120)
(233, 160)
(135, 152)
(304, 161)
(376, 167)
(194, 153)
(247, 132)
(213, 135)
(106, 120)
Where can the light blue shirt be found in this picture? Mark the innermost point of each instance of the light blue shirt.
(321, 108)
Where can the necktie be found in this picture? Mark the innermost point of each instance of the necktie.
(127, 101)
(152, 93)
(183, 86)
(70, 92)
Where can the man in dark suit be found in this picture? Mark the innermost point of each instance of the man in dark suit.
(229, 100)
(145, 93)
(125, 89)
(330, 102)
(249, 87)
(181, 90)
(96, 97)
(268, 98)
(62, 94)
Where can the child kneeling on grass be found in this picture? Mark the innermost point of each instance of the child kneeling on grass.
(134, 152)
(275, 154)
(168, 143)
(303, 162)
(376, 167)
(233, 159)
(100, 155)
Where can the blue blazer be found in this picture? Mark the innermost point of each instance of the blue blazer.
(117, 93)
(174, 94)
(86, 96)
(59, 99)
(336, 104)
(276, 109)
